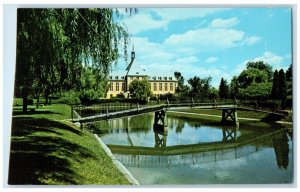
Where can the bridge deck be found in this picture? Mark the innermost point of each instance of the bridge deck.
(147, 109)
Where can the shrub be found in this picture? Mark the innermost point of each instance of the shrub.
(70, 98)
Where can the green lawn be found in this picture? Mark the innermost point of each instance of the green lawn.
(46, 149)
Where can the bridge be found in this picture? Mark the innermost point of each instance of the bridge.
(229, 111)
(165, 156)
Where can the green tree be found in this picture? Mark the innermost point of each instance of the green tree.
(200, 87)
(275, 93)
(282, 88)
(289, 73)
(234, 87)
(72, 37)
(260, 65)
(180, 80)
(223, 89)
(258, 91)
(140, 89)
(195, 83)
(256, 72)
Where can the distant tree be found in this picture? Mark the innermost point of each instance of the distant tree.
(200, 87)
(223, 89)
(289, 73)
(140, 89)
(213, 93)
(289, 80)
(195, 84)
(260, 65)
(234, 87)
(256, 72)
(180, 80)
(282, 88)
(275, 93)
(258, 91)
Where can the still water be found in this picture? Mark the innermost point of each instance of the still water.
(193, 151)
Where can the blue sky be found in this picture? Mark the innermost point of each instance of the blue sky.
(216, 42)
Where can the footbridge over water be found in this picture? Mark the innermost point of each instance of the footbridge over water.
(229, 111)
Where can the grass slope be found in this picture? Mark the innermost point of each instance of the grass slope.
(46, 150)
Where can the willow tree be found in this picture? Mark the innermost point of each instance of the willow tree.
(53, 45)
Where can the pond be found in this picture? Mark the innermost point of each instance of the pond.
(195, 151)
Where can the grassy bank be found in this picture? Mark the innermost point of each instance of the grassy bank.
(46, 149)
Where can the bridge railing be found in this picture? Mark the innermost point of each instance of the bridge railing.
(102, 108)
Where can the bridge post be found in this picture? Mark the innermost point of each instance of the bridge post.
(232, 113)
(159, 117)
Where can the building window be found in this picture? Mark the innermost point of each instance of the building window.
(160, 86)
(166, 86)
(117, 77)
(117, 86)
(154, 78)
(111, 88)
(154, 87)
(110, 77)
(122, 77)
(149, 77)
(170, 78)
(171, 86)
(165, 78)
(159, 78)
(123, 86)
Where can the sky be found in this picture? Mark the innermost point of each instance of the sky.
(216, 42)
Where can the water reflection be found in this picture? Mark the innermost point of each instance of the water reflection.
(141, 145)
(281, 148)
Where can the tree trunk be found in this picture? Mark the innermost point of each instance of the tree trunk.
(37, 101)
(25, 100)
(24, 104)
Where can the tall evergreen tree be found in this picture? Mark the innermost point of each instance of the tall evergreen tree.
(275, 93)
(234, 87)
(282, 88)
(289, 73)
(223, 89)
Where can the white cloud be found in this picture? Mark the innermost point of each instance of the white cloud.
(148, 19)
(211, 59)
(276, 61)
(143, 22)
(251, 40)
(206, 39)
(184, 13)
(190, 59)
(271, 58)
(224, 23)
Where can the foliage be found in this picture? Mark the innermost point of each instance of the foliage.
(282, 88)
(234, 87)
(289, 73)
(260, 65)
(213, 93)
(223, 89)
(180, 80)
(200, 86)
(140, 89)
(71, 98)
(256, 91)
(73, 37)
(275, 93)
(93, 86)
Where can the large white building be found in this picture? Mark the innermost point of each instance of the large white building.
(119, 81)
